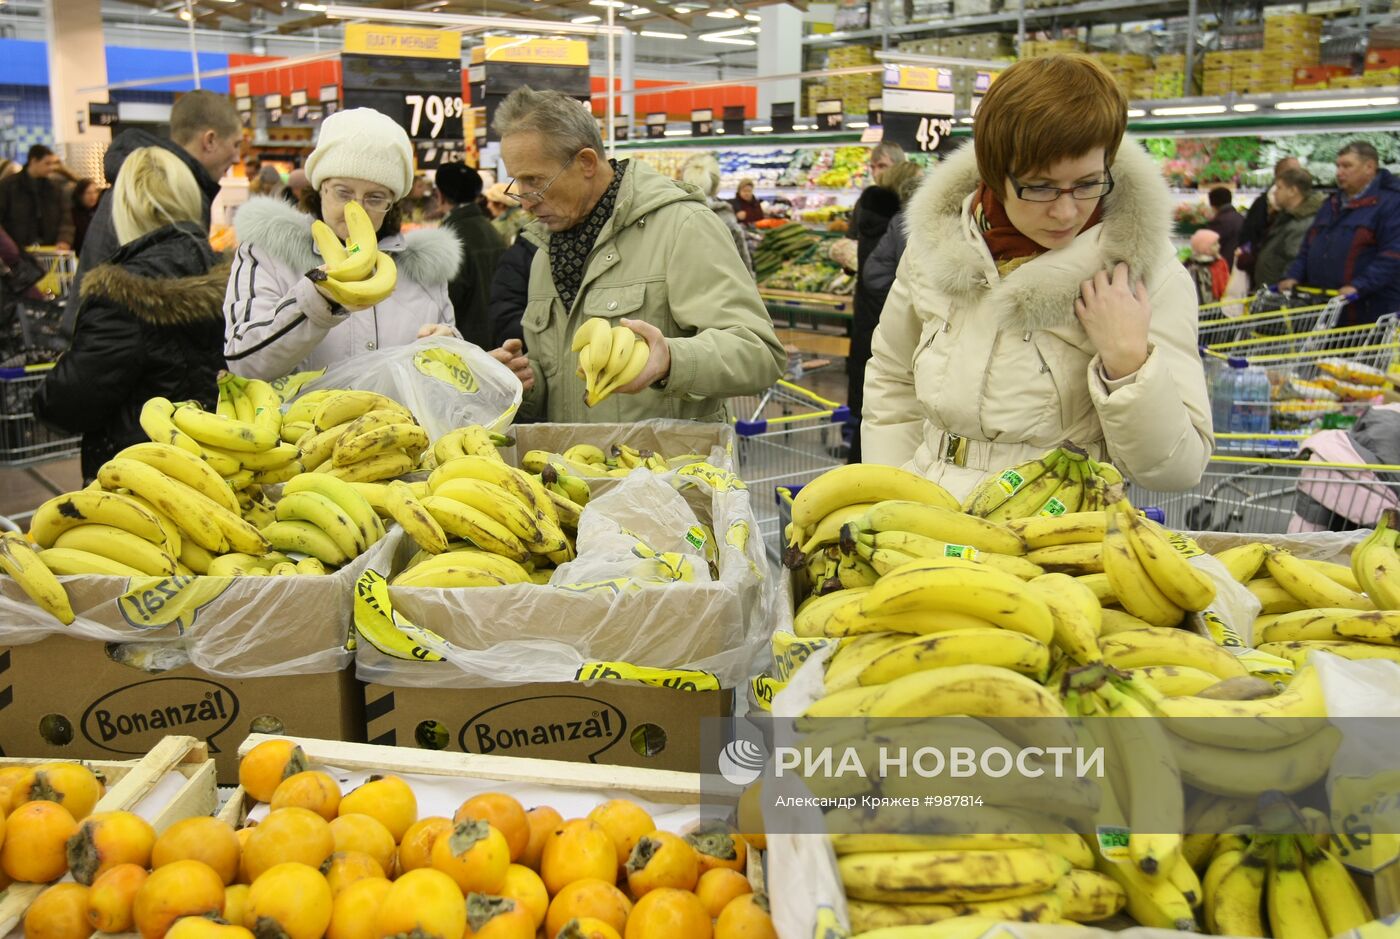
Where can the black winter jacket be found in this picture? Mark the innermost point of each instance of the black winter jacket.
(869, 222)
(150, 323)
(470, 290)
(101, 242)
(34, 211)
(510, 289)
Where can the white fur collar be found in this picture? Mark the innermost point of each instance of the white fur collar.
(428, 256)
(1040, 294)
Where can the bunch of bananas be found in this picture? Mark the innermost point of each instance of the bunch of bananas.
(357, 436)
(1062, 481)
(588, 460)
(356, 274)
(609, 357)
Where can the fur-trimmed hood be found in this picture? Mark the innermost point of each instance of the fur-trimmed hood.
(160, 301)
(428, 256)
(1040, 294)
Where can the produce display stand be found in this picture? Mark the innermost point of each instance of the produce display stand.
(662, 786)
(129, 782)
(792, 304)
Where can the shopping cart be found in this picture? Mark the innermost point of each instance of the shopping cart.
(1263, 494)
(788, 436)
(24, 442)
(1302, 312)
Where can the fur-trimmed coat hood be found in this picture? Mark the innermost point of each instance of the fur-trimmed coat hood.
(149, 325)
(1135, 230)
(428, 256)
(278, 322)
(972, 372)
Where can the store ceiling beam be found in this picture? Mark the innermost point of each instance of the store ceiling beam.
(306, 22)
(271, 6)
(236, 10)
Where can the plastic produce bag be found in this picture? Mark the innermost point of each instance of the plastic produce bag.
(236, 627)
(547, 633)
(446, 382)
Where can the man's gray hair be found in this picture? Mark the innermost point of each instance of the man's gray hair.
(1363, 150)
(889, 150)
(565, 124)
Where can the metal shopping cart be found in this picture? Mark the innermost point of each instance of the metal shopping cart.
(1302, 312)
(788, 436)
(24, 442)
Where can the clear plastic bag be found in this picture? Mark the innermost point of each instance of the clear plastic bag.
(446, 382)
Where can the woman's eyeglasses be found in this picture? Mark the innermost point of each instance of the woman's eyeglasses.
(1084, 191)
(374, 202)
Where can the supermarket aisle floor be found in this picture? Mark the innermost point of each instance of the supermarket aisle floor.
(23, 490)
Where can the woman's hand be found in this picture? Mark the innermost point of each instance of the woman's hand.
(510, 354)
(658, 362)
(1116, 315)
(436, 329)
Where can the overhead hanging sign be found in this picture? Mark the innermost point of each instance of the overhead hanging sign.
(525, 51)
(369, 39)
(734, 120)
(702, 122)
(656, 125)
(918, 78)
(781, 116)
(829, 114)
(919, 121)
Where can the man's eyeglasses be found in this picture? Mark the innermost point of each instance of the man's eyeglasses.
(1085, 191)
(374, 202)
(537, 195)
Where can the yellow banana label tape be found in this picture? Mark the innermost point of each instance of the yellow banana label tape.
(790, 651)
(717, 479)
(288, 386)
(764, 687)
(1186, 547)
(1356, 800)
(157, 602)
(447, 367)
(678, 678)
(378, 624)
(616, 586)
(1260, 664)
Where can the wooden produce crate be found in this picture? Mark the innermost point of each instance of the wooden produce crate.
(129, 782)
(661, 786)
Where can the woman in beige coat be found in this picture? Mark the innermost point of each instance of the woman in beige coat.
(1040, 301)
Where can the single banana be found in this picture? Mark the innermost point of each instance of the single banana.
(156, 421)
(325, 514)
(1049, 531)
(305, 538)
(476, 526)
(344, 406)
(1243, 561)
(183, 467)
(503, 506)
(19, 560)
(862, 483)
(505, 569)
(118, 545)
(1273, 599)
(955, 586)
(94, 506)
(1172, 679)
(1234, 889)
(1154, 798)
(892, 920)
(388, 465)
(361, 250)
(1298, 652)
(193, 512)
(1375, 565)
(1076, 614)
(267, 404)
(1309, 586)
(303, 409)
(345, 495)
(1088, 896)
(585, 453)
(1160, 645)
(310, 567)
(1339, 574)
(950, 876)
(1102, 589)
(1185, 586)
(1072, 559)
(415, 518)
(1132, 585)
(1378, 626)
(327, 244)
(1246, 773)
(918, 546)
(966, 690)
(1339, 902)
(194, 557)
(64, 561)
(943, 524)
(1263, 724)
(222, 432)
(1157, 904)
(999, 647)
(409, 438)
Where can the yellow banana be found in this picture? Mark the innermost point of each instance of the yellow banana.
(860, 483)
(1184, 585)
(183, 467)
(1159, 645)
(19, 560)
(1088, 896)
(966, 690)
(409, 438)
(362, 294)
(1049, 531)
(1172, 679)
(999, 647)
(1246, 773)
(222, 432)
(388, 465)
(1071, 559)
(950, 876)
(327, 244)
(954, 586)
(415, 518)
(1131, 584)
(94, 506)
(193, 512)
(1243, 561)
(635, 364)
(1298, 652)
(305, 538)
(503, 507)
(1273, 599)
(1076, 614)
(118, 545)
(476, 526)
(345, 495)
(156, 421)
(325, 514)
(1339, 902)
(343, 406)
(360, 249)
(1234, 889)
(1309, 586)
(1293, 914)
(1376, 626)
(64, 561)
(995, 490)
(457, 556)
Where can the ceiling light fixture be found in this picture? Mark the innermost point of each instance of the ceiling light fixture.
(728, 40)
(677, 133)
(1244, 108)
(858, 125)
(657, 34)
(1136, 112)
(1332, 103)
(1189, 110)
(751, 17)
(763, 129)
(725, 32)
(721, 14)
(584, 19)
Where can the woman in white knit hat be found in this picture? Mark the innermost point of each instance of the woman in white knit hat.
(277, 319)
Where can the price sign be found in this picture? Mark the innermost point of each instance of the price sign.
(734, 120)
(413, 76)
(656, 125)
(782, 115)
(429, 115)
(622, 128)
(101, 114)
(875, 108)
(919, 120)
(829, 116)
(702, 122)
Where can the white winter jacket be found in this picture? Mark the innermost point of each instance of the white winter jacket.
(972, 372)
(277, 322)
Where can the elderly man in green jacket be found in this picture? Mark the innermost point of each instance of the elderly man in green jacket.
(620, 241)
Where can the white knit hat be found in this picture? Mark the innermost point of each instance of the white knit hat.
(362, 143)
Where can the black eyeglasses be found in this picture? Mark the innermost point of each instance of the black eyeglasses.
(1084, 191)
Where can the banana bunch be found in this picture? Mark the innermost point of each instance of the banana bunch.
(20, 561)
(589, 461)
(1063, 481)
(356, 274)
(357, 436)
(841, 495)
(322, 518)
(478, 522)
(1151, 579)
(472, 440)
(609, 357)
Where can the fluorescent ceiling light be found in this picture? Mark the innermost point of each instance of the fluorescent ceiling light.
(965, 120)
(1190, 109)
(804, 126)
(755, 29)
(616, 4)
(637, 11)
(751, 17)
(728, 39)
(312, 7)
(858, 125)
(1336, 103)
(584, 19)
(721, 14)
(1136, 112)
(764, 129)
(725, 32)
(1245, 108)
(657, 34)
(677, 133)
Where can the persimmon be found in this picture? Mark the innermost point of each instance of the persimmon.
(36, 839)
(625, 822)
(286, 835)
(475, 855)
(662, 859)
(309, 789)
(263, 768)
(71, 785)
(504, 813)
(589, 898)
(112, 895)
(745, 917)
(718, 847)
(586, 928)
(60, 912)
(344, 868)
(491, 917)
(543, 820)
(525, 887)
(386, 798)
(356, 832)
(667, 913)
(355, 908)
(416, 848)
(180, 888)
(106, 840)
(426, 903)
(577, 849)
(200, 838)
(289, 901)
(718, 886)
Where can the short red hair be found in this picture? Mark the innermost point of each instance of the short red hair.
(1043, 110)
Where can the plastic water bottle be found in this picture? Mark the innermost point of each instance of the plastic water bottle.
(1224, 399)
(1261, 397)
(1240, 419)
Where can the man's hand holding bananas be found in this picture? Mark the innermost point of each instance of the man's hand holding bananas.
(626, 359)
(356, 275)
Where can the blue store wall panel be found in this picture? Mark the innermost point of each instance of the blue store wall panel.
(25, 62)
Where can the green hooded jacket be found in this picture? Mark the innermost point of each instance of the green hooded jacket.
(664, 258)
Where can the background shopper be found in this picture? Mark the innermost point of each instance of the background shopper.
(458, 187)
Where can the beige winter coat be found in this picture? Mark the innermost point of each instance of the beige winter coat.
(664, 258)
(1003, 362)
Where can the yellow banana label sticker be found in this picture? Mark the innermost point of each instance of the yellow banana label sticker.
(764, 687)
(717, 479)
(964, 551)
(678, 678)
(376, 623)
(695, 536)
(288, 385)
(790, 651)
(1356, 800)
(447, 367)
(1113, 842)
(1010, 481)
(1054, 507)
(157, 602)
